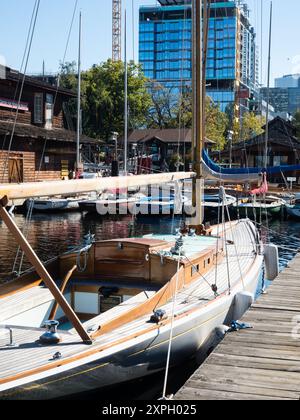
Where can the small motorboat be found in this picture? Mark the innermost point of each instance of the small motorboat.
(253, 207)
(212, 203)
(293, 210)
(53, 205)
(160, 205)
(109, 204)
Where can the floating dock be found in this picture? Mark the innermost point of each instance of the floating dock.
(262, 363)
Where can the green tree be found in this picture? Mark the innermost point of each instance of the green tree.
(216, 124)
(68, 75)
(251, 126)
(163, 111)
(216, 121)
(297, 123)
(103, 97)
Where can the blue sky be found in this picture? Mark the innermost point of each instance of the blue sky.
(55, 16)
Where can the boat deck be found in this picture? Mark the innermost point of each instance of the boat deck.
(262, 363)
(30, 355)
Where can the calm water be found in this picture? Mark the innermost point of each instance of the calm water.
(50, 235)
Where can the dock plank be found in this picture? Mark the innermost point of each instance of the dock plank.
(262, 363)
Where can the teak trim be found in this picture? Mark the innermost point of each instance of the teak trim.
(42, 272)
(62, 289)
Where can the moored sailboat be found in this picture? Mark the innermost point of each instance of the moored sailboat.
(126, 299)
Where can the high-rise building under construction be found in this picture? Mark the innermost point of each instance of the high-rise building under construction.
(165, 50)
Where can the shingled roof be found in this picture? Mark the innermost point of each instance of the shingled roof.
(171, 135)
(55, 134)
(15, 76)
(281, 133)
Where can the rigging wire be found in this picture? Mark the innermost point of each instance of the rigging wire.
(30, 209)
(172, 329)
(226, 247)
(31, 36)
(19, 75)
(235, 248)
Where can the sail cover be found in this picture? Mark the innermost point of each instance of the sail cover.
(214, 171)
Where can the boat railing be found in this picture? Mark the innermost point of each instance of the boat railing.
(10, 331)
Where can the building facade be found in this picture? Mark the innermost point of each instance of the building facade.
(35, 146)
(284, 100)
(165, 50)
(283, 149)
(288, 81)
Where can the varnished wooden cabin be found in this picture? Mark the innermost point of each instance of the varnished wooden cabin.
(43, 146)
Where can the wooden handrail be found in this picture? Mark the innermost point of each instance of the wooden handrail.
(62, 290)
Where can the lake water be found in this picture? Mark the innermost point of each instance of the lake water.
(50, 235)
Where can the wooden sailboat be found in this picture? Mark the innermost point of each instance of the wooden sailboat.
(124, 298)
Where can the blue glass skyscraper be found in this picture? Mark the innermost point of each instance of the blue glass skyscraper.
(165, 49)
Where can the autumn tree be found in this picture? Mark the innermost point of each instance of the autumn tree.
(216, 124)
(251, 126)
(216, 121)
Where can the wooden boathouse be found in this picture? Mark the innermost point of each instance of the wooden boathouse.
(43, 146)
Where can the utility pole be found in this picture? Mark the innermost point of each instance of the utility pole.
(116, 30)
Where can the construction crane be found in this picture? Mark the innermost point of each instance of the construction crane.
(116, 30)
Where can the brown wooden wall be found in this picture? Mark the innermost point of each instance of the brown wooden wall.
(8, 91)
(27, 162)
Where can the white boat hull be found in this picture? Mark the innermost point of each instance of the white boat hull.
(293, 211)
(45, 206)
(138, 357)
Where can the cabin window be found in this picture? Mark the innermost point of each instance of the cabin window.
(49, 112)
(86, 303)
(195, 269)
(38, 108)
(107, 303)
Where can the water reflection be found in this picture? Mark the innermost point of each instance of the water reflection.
(51, 235)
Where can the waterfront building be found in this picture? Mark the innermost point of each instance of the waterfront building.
(165, 50)
(283, 149)
(165, 143)
(42, 146)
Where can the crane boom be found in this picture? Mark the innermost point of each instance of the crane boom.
(116, 30)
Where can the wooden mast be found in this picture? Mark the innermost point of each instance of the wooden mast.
(125, 100)
(268, 89)
(42, 272)
(78, 159)
(197, 109)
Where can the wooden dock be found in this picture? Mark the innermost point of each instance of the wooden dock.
(262, 363)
